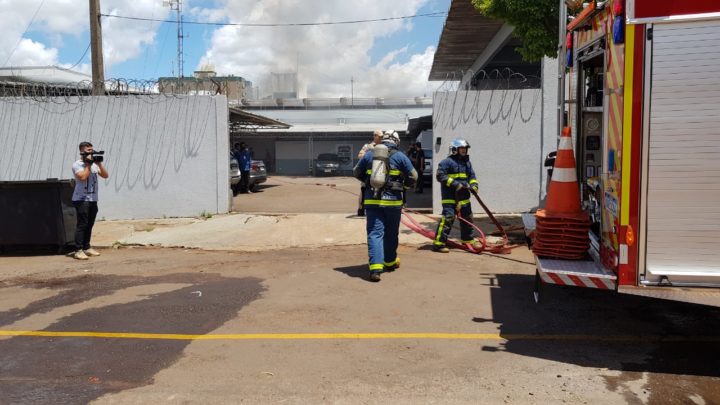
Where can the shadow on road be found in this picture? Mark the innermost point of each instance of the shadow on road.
(79, 370)
(607, 330)
(359, 271)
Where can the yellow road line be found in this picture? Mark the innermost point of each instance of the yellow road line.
(356, 336)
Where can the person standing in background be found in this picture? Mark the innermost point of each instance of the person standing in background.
(417, 157)
(244, 158)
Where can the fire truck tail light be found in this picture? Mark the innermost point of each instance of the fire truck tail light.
(630, 236)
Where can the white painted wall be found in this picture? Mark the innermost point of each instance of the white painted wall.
(167, 156)
(505, 132)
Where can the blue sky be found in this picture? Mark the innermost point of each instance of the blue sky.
(380, 54)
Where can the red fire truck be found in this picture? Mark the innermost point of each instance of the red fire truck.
(640, 88)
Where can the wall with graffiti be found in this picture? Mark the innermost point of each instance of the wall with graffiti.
(167, 155)
(508, 143)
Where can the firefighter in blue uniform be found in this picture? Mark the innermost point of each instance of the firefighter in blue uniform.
(456, 177)
(383, 205)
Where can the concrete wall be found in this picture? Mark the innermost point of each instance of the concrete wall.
(167, 156)
(508, 144)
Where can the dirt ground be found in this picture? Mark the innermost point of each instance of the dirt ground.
(303, 325)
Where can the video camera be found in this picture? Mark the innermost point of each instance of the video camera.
(97, 156)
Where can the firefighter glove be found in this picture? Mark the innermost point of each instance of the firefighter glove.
(459, 186)
(474, 188)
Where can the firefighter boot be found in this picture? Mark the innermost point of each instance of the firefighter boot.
(476, 246)
(390, 267)
(375, 275)
(440, 249)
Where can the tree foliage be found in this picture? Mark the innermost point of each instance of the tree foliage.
(535, 22)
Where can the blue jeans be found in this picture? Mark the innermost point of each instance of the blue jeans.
(383, 226)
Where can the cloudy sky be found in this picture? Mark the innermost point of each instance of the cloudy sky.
(384, 59)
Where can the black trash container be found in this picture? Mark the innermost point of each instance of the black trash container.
(37, 214)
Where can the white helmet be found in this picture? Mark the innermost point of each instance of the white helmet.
(458, 143)
(391, 136)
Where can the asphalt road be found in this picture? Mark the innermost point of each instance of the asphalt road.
(144, 325)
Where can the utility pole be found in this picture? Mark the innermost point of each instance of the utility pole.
(352, 91)
(96, 53)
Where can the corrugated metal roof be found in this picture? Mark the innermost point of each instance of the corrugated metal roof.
(43, 74)
(240, 119)
(339, 128)
(464, 37)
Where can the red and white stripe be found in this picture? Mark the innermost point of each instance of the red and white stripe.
(578, 281)
(564, 170)
(564, 175)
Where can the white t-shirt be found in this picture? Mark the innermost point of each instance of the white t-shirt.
(85, 190)
(367, 147)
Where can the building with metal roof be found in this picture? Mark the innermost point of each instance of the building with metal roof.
(43, 74)
(341, 126)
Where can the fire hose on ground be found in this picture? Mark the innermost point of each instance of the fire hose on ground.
(504, 247)
(499, 248)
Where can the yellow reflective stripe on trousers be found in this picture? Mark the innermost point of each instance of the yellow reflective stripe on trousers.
(462, 202)
(458, 176)
(384, 203)
(392, 263)
(368, 171)
(376, 266)
(439, 232)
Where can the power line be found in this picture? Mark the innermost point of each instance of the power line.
(81, 58)
(24, 32)
(435, 14)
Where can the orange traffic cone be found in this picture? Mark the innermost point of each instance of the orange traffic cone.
(564, 194)
(562, 227)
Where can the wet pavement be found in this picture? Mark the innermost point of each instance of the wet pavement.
(72, 370)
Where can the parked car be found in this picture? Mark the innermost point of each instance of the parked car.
(427, 174)
(327, 164)
(258, 174)
(234, 174)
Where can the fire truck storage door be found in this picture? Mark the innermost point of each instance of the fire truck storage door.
(683, 154)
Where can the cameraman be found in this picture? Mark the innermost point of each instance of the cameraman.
(85, 198)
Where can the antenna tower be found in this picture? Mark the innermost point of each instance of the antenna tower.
(177, 6)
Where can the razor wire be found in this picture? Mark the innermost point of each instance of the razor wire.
(493, 79)
(148, 133)
(486, 97)
(74, 92)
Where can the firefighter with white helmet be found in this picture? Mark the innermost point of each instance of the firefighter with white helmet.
(456, 177)
(387, 173)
